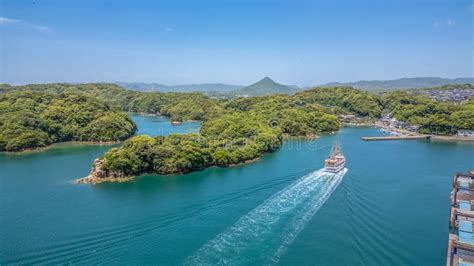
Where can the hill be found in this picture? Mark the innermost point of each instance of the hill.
(265, 86)
(141, 86)
(403, 83)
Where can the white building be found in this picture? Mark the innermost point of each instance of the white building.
(465, 133)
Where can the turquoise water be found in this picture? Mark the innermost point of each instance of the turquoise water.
(391, 207)
(148, 125)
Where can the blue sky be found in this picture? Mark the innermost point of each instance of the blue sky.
(237, 42)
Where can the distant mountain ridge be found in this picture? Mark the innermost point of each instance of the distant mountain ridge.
(265, 86)
(141, 86)
(403, 83)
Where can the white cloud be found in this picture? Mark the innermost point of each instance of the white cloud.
(9, 21)
(4, 21)
(447, 23)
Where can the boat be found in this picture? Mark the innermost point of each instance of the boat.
(336, 161)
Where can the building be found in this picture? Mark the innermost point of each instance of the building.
(465, 133)
(461, 237)
(413, 128)
(347, 118)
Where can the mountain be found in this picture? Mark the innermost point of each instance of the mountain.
(403, 83)
(140, 86)
(265, 86)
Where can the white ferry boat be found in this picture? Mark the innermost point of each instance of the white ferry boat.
(336, 161)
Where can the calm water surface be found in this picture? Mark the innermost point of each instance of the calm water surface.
(391, 207)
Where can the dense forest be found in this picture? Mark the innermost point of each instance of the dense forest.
(178, 106)
(232, 130)
(32, 119)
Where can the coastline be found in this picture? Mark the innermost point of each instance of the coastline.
(409, 134)
(163, 116)
(406, 134)
(451, 138)
(97, 175)
(358, 125)
(103, 176)
(93, 178)
(79, 142)
(308, 137)
(59, 144)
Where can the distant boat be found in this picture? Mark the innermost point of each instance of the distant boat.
(336, 161)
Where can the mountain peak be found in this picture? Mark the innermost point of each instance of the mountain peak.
(264, 87)
(266, 81)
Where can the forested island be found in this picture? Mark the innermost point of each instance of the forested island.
(34, 119)
(232, 131)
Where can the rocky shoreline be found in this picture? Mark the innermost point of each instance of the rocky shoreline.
(99, 175)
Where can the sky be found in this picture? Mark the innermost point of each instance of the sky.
(294, 42)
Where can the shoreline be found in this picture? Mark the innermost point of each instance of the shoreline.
(91, 143)
(451, 138)
(306, 137)
(58, 144)
(96, 171)
(91, 179)
(397, 132)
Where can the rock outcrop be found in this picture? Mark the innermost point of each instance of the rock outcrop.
(99, 175)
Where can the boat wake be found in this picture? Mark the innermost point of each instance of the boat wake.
(263, 235)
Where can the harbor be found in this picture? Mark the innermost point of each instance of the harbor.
(399, 130)
(399, 133)
(461, 238)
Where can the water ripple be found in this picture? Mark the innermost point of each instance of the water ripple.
(264, 233)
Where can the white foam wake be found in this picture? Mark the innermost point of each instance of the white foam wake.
(262, 235)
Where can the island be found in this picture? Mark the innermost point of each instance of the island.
(34, 119)
(233, 130)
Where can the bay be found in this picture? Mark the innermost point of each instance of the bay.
(391, 207)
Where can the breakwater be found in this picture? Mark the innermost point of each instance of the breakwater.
(415, 137)
(395, 137)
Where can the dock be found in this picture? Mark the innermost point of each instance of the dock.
(461, 220)
(396, 137)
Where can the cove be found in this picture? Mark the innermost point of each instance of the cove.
(391, 207)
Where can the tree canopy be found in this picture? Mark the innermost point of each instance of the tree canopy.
(232, 130)
(31, 119)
